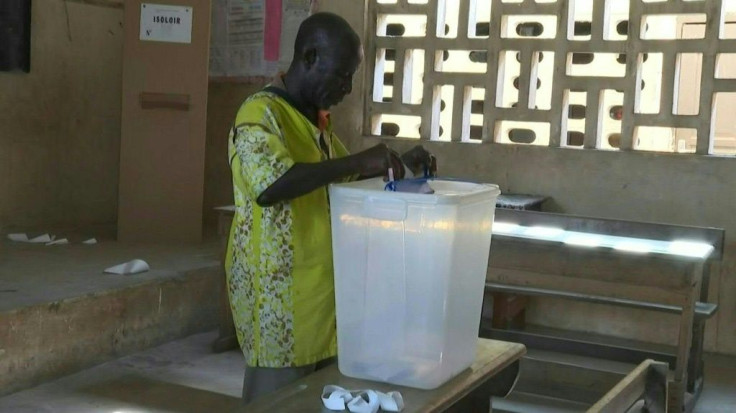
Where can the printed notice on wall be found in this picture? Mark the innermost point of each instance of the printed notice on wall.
(239, 42)
(164, 23)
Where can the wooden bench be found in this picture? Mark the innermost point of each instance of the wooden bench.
(493, 373)
(647, 383)
(671, 283)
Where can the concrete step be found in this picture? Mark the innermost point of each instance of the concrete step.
(182, 376)
(59, 313)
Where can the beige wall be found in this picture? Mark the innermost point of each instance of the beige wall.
(60, 124)
(689, 190)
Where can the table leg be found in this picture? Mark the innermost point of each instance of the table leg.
(479, 399)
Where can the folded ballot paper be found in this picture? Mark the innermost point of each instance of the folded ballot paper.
(361, 401)
(131, 267)
(410, 183)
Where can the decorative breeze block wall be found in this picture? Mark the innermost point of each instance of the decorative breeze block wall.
(596, 74)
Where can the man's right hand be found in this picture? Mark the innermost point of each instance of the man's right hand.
(375, 161)
(303, 178)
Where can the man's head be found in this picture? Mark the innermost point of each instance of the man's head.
(327, 52)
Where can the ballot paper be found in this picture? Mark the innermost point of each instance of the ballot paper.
(361, 401)
(131, 267)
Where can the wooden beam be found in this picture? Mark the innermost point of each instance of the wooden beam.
(113, 4)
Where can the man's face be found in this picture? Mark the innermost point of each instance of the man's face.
(331, 76)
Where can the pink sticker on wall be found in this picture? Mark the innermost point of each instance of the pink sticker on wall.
(272, 31)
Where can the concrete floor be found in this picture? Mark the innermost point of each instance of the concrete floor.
(185, 376)
(74, 270)
(180, 376)
(719, 392)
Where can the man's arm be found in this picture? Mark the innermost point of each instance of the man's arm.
(303, 178)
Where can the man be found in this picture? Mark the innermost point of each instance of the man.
(283, 154)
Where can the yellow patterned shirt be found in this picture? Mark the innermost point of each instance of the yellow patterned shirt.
(279, 258)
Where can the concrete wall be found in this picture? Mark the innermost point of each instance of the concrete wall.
(688, 190)
(60, 124)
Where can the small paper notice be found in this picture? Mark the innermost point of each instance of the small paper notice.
(164, 23)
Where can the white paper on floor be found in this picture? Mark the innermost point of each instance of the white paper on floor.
(22, 237)
(130, 267)
(18, 237)
(90, 241)
(42, 239)
(62, 241)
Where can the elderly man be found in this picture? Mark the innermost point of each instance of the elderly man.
(283, 154)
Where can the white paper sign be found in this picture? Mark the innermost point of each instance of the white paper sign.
(163, 23)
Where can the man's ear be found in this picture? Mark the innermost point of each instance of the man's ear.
(310, 57)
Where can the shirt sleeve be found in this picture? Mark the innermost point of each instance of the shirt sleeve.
(338, 148)
(262, 155)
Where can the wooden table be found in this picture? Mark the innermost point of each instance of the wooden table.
(493, 373)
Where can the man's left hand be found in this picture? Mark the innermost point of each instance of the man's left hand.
(417, 159)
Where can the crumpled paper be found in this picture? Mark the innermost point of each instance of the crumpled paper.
(131, 267)
(22, 237)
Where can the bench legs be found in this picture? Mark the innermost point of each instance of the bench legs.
(695, 363)
(684, 342)
(479, 399)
